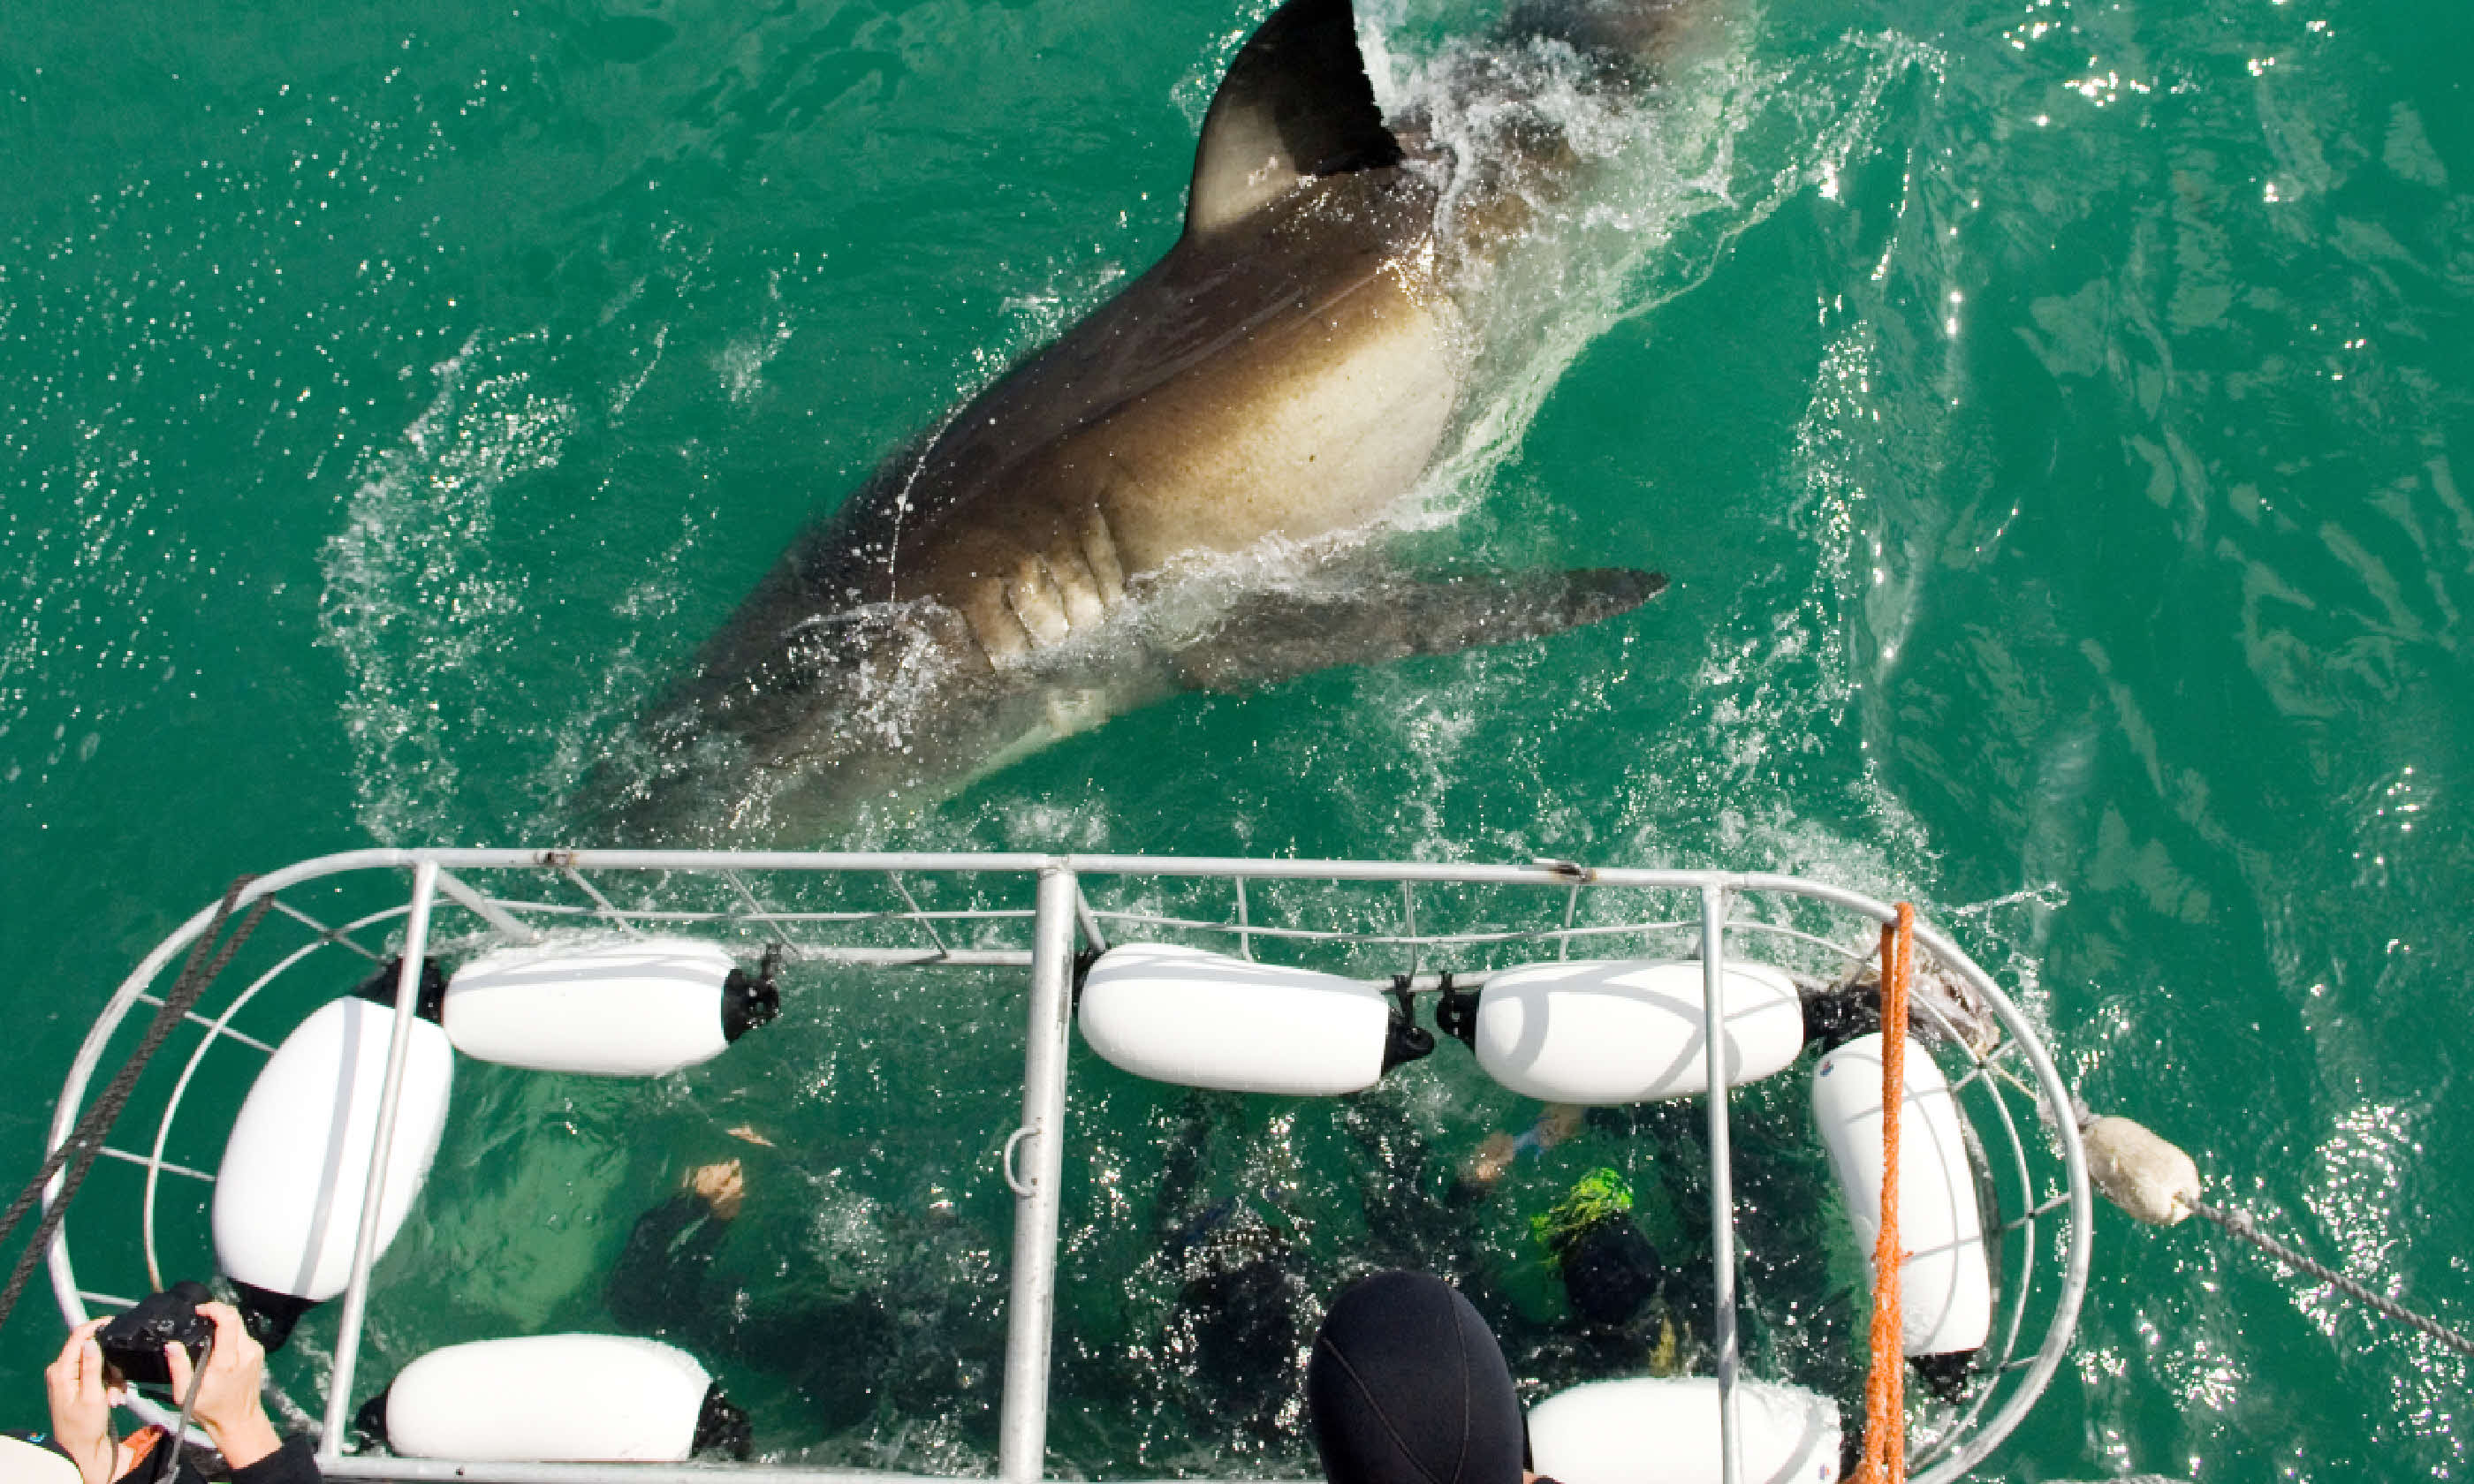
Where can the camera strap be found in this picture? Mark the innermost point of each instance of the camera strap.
(167, 1459)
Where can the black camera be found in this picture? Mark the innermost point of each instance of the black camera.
(134, 1342)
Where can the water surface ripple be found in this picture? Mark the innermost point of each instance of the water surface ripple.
(2044, 408)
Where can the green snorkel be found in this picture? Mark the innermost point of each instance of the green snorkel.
(1602, 1194)
(1610, 1274)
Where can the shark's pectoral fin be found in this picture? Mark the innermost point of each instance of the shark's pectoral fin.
(1272, 635)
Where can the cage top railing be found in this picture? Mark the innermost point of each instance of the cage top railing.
(1063, 909)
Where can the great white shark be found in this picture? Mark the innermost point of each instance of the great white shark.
(1253, 404)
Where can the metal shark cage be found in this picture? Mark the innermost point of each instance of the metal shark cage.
(1411, 919)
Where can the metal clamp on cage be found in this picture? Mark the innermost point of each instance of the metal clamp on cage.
(746, 1002)
(1456, 1011)
(1404, 1040)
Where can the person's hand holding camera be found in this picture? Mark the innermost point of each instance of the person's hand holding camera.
(82, 1401)
(228, 1405)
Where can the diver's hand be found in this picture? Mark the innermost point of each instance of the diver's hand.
(722, 1187)
(228, 1405)
(82, 1400)
(1556, 1124)
(1493, 1158)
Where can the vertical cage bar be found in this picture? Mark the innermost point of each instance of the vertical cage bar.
(1409, 927)
(509, 925)
(1722, 1177)
(1031, 1310)
(609, 908)
(916, 914)
(1088, 921)
(761, 914)
(356, 1294)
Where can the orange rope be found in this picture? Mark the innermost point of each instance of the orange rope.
(1885, 1413)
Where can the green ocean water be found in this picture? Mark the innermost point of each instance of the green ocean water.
(2044, 413)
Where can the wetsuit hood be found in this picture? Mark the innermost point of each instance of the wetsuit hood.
(1407, 1386)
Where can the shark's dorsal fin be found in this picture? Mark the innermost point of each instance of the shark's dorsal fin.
(1296, 103)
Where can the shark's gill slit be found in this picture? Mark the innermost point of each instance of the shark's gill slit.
(1037, 602)
(1085, 609)
(1100, 551)
(994, 625)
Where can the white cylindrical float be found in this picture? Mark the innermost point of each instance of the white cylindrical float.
(1664, 1430)
(25, 1461)
(1628, 1029)
(638, 1006)
(1945, 1284)
(1203, 1020)
(287, 1205)
(550, 1398)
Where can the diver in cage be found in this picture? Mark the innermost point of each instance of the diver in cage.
(1225, 1298)
(1229, 1341)
(1227, 1352)
(902, 1337)
(1248, 1290)
(1619, 1311)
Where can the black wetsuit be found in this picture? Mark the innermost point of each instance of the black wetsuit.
(903, 1344)
(658, 1286)
(663, 1285)
(1233, 1335)
(1610, 1271)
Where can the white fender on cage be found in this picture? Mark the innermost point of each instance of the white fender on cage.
(1628, 1029)
(1945, 1284)
(549, 1399)
(1664, 1430)
(287, 1205)
(25, 1461)
(641, 1007)
(1203, 1020)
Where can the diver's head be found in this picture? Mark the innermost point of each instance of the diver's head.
(1609, 1269)
(1235, 1331)
(1407, 1386)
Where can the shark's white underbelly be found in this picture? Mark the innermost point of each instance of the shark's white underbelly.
(1318, 433)
(1311, 427)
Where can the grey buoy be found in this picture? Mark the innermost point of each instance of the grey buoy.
(2142, 1173)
